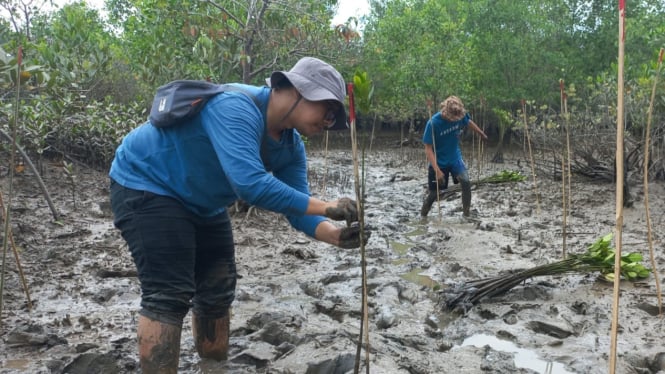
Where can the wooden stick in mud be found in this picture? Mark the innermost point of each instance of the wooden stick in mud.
(12, 162)
(325, 167)
(533, 168)
(481, 145)
(18, 260)
(564, 211)
(32, 167)
(371, 139)
(436, 178)
(619, 192)
(565, 164)
(647, 147)
(566, 117)
(364, 322)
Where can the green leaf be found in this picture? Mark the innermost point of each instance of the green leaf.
(633, 257)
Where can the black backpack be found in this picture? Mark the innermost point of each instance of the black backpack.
(180, 100)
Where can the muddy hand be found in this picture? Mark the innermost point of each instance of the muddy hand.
(349, 237)
(344, 210)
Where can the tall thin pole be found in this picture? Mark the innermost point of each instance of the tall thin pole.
(619, 191)
(564, 165)
(647, 147)
(12, 163)
(481, 145)
(533, 167)
(325, 165)
(436, 177)
(364, 323)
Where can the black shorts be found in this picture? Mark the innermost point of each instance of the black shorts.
(183, 260)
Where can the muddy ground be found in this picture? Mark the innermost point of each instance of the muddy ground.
(298, 303)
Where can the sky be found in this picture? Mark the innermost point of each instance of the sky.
(346, 8)
(350, 8)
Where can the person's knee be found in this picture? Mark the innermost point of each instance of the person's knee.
(215, 294)
(463, 179)
(170, 309)
(213, 306)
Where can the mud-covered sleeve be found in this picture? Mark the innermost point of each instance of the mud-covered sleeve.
(295, 175)
(235, 127)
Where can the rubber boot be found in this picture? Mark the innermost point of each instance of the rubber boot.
(211, 336)
(427, 204)
(466, 197)
(159, 346)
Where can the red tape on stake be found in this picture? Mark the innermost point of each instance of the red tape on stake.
(622, 17)
(352, 108)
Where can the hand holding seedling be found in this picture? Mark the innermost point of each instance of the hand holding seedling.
(343, 209)
(349, 237)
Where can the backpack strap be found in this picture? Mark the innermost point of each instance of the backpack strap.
(263, 108)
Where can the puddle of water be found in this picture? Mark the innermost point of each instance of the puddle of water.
(401, 261)
(16, 364)
(400, 248)
(446, 318)
(414, 276)
(417, 231)
(524, 358)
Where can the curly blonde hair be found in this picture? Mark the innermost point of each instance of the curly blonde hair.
(452, 109)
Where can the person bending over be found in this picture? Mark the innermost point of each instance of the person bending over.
(170, 188)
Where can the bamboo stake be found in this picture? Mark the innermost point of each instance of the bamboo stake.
(371, 140)
(619, 191)
(533, 167)
(480, 142)
(26, 289)
(325, 166)
(567, 176)
(570, 175)
(12, 162)
(364, 323)
(436, 178)
(32, 167)
(482, 146)
(564, 199)
(473, 154)
(647, 143)
(564, 209)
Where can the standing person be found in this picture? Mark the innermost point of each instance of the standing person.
(447, 126)
(170, 188)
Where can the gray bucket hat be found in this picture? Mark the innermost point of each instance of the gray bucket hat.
(316, 81)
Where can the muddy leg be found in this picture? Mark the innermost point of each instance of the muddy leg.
(446, 179)
(159, 346)
(466, 194)
(211, 336)
(427, 204)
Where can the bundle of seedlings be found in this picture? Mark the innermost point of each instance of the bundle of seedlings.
(503, 176)
(599, 257)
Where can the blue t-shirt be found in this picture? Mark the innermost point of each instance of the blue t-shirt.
(446, 138)
(215, 158)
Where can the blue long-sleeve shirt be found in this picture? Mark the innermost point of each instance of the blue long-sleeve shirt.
(215, 158)
(446, 138)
